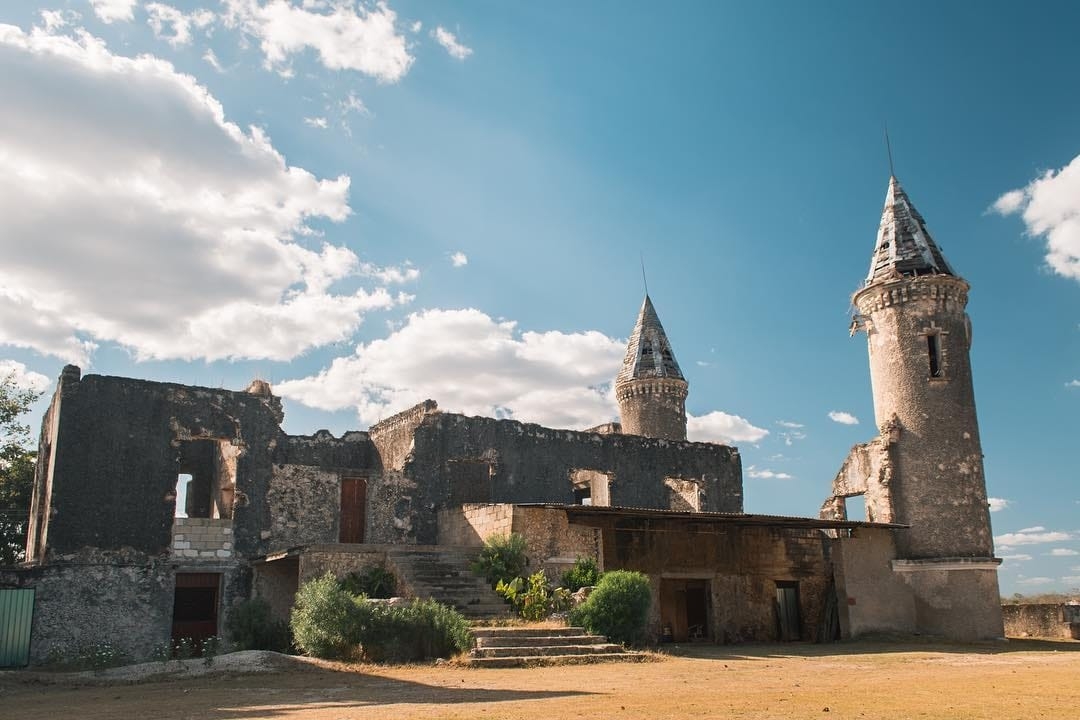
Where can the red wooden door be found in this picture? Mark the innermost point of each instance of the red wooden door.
(353, 506)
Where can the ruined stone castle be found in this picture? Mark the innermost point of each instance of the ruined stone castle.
(157, 507)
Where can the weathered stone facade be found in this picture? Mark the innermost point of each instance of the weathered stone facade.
(157, 507)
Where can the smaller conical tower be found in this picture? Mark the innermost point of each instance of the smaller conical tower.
(650, 388)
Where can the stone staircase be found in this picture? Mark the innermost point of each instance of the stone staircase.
(502, 647)
(443, 574)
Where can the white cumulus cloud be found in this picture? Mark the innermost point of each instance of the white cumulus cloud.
(721, 427)
(1050, 208)
(998, 504)
(1063, 552)
(450, 43)
(174, 26)
(1073, 384)
(132, 211)
(1035, 581)
(109, 11)
(844, 418)
(1018, 557)
(471, 363)
(459, 259)
(22, 377)
(348, 36)
(764, 474)
(1031, 536)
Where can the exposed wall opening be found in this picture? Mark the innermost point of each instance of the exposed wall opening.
(206, 479)
(933, 348)
(591, 487)
(470, 481)
(683, 494)
(353, 509)
(855, 508)
(195, 606)
(787, 611)
(684, 610)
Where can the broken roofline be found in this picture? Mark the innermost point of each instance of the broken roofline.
(719, 518)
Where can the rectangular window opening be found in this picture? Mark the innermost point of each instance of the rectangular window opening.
(590, 487)
(933, 347)
(855, 508)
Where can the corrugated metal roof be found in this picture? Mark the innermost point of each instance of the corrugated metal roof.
(715, 517)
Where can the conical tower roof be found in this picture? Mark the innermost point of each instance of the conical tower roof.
(904, 246)
(648, 354)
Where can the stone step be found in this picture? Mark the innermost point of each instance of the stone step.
(500, 641)
(526, 631)
(547, 650)
(542, 660)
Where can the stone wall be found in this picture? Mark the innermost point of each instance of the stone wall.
(304, 506)
(529, 463)
(552, 544)
(101, 598)
(1044, 620)
(202, 538)
(473, 524)
(871, 598)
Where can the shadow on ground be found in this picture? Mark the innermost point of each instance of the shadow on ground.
(328, 688)
(877, 645)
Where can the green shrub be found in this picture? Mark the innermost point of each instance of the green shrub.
(375, 582)
(251, 627)
(502, 559)
(422, 630)
(585, 573)
(531, 598)
(617, 608)
(330, 622)
(326, 621)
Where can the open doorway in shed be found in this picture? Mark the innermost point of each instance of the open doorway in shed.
(684, 610)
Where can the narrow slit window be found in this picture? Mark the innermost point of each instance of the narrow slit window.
(933, 348)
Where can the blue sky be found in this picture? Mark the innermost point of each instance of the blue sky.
(369, 205)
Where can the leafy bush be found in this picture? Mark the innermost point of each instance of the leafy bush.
(502, 559)
(327, 621)
(585, 573)
(375, 582)
(330, 622)
(251, 627)
(617, 608)
(419, 631)
(531, 598)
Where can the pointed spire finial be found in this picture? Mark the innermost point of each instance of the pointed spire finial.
(888, 149)
(644, 280)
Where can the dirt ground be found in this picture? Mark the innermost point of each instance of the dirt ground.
(1019, 679)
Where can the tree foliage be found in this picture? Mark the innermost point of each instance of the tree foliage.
(16, 469)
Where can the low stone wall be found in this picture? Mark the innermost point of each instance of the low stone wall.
(77, 606)
(472, 524)
(1048, 620)
(202, 538)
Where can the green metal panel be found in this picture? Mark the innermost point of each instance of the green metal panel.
(16, 616)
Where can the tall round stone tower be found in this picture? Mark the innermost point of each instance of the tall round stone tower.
(912, 308)
(650, 388)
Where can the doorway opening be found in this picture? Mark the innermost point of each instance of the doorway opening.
(684, 610)
(195, 607)
(787, 611)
